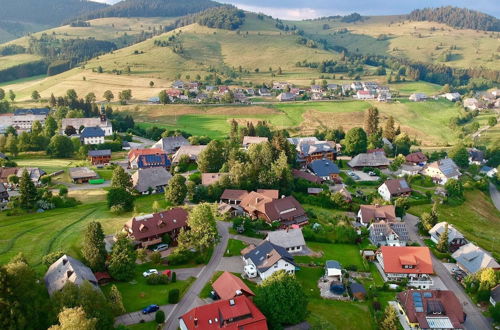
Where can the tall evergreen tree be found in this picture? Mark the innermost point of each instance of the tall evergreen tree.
(50, 127)
(389, 129)
(115, 298)
(93, 248)
(371, 121)
(27, 192)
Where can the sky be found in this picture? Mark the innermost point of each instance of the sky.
(303, 9)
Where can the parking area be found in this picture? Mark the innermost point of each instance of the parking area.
(362, 176)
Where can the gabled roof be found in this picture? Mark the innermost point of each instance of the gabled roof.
(142, 152)
(234, 314)
(416, 157)
(266, 254)
(229, 286)
(99, 153)
(234, 194)
(453, 233)
(473, 258)
(395, 257)
(372, 212)
(373, 159)
(81, 173)
(284, 209)
(67, 269)
(324, 167)
(192, 151)
(287, 238)
(397, 186)
(144, 226)
(89, 132)
(151, 177)
(307, 176)
(32, 111)
(271, 193)
(447, 167)
(77, 122)
(247, 140)
(380, 231)
(171, 143)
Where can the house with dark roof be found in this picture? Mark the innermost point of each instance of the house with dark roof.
(393, 188)
(267, 258)
(373, 159)
(388, 233)
(229, 286)
(416, 158)
(455, 238)
(431, 309)
(310, 149)
(233, 196)
(151, 179)
(149, 229)
(32, 111)
(144, 158)
(325, 169)
(285, 97)
(170, 144)
(298, 174)
(290, 239)
(99, 157)
(92, 135)
(411, 262)
(357, 290)
(67, 269)
(442, 170)
(471, 259)
(476, 157)
(375, 213)
(191, 151)
(495, 295)
(238, 313)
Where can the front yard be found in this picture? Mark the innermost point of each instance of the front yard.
(234, 248)
(346, 254)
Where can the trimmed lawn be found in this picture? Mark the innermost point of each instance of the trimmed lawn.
(137, 294)
(234, 247)
(346, 254)
(143, 326)
(205, 292)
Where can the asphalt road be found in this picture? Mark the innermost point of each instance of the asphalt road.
(475, 319)
(204, 276)
(495, 196)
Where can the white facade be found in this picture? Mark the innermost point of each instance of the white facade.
(334, 272)
(93, 140)
(279, 265)
(419, 281)
(384, 192)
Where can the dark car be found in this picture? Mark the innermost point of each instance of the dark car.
(150, 309)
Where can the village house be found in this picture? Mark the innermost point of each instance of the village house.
(208, 179)
(411, 262)
(409, 170)
(455, 238)
(316, 89)
(388, 233)
(23, 119)
(82, 174)
(149, 229)
(32, 111)
(265, 259)
(286, 97)
(280, 85)
(310, 149)
(290, 239)
(431, 309)
(452, 97)
(442, 170)
(67, 269)
(264, 92)
(233, 196)
(333, 270)
(92, 135)
(372, 159)
(151, 180)
(325, 169)
(375, 213)
(495, 295)
(356, 85)
(384, 97)
(178, 84)
(417, 97)
(99, 157)
(490, 172)
(476, 156)
(416, 158)
(229, 286)
(364, 95)
(332, 87)
(316, 96)
(78, 123)
(237, 313)
(471, 259)
(298, 174)
(249, 140)
(170, 144)
(393, 188)
(472, 103)
(191, 151)
(144, 158)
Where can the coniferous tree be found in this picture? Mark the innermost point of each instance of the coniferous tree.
(50, 128)
(122, 259)
(93, 248)
(27, 192)
(389, 129)
(371, 121)
(390, 321)
(443, 240)
(115, 298)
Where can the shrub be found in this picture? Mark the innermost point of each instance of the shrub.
(351, 268)
(160, 316)
(155, 279)
(173, 296)
(174, 277)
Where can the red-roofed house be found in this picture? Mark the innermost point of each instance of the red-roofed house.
(144, 158)
(411, 262)
(228, 286)
(239, 313)
(416, 158)
(150, 228)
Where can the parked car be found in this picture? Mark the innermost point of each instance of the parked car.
(371, 173)
(150, 272)
(160, 247)
(150, 309)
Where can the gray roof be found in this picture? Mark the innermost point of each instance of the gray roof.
(260, 253)
(99, 153)
(495, 293)
(323, 167)
(438, 230)
(381, 230)
(67, 269)
(373, 159)
(333, 264)
(3, 156)
(81, 173)
(287, 238)
(89, 132)
(447, 166)
(152, 177)
(32, 111)
(473, 258)
(170, 144)
(192, 151)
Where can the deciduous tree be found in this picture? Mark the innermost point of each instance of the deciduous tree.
(60, 146)
(27, 192)
(459, 155)
(212, 157)
(176, 190)
(121, 179)
(355, 141)
(122, 259)
(74, 318)
(203, 230)
(108, 95)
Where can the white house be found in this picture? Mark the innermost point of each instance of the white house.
(472, 104)
(333, 269)
(291, 239)
(417, 97)
(442, 170)
(266, 259)
(471, 259)
(92, 135)
(76, 123)
(495, 295)
(364, 95)
(394, 188)
(453, 97)
(455, 238)
(489, 171)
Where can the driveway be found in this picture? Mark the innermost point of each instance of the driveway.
(475, 319)
(136, 317)
(231, 264)
(495, 196)
(246, 239)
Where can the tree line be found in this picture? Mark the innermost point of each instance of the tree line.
(223, 17)
(461, 18)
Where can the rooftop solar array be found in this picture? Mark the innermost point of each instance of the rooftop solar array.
(417, 302)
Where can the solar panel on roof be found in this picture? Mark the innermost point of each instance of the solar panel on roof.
(427, 294)
(419, 309)
(419, 304)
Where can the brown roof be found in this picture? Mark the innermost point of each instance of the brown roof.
(233, 194)
(307, 176)
(287, 208)
(210, 178)
(271, 193)
(397, 186)
(255, 201)
(137, 152)
(149, 225)
(5, 172)
(416, 157)
(395, 257)
(435, 303)
(372, 212)
(229, 286)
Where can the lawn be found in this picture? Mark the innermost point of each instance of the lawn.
(346, 254)
(234, 247)
(410, 87)
(477, 219)
(137, 294)
(47, 164)
(143, 326)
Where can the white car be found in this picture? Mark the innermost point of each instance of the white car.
(150, 272)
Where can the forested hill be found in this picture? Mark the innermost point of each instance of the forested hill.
(461, 18)
(153, 8)
(45, 12)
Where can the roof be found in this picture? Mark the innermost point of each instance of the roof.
(306, 139)
(210, 178)
(432, 309)
(233, 314)
(447, 166)
(85, 122)
(495, 293)
(32, 111)
(247, 140)
(416, 157)
(476, 154)
(271, 193)
(380, 231)
(99, 153)
(287, 238)
(372, 212)
(144, 226)
(307, 176)
(192, 151)
(357, 288)
(151, 177)
(141, 152)
(284, 209)
(67, 269)
(397, 186)
(234, 194)
(417, 256)
(453, 233)
(266, 254)
(89, 132)
(229, 286)
(373, 159)
(171, 143)
(254, 201)
(323, 167)
(473, 258)
(81, 173)
(333, 264)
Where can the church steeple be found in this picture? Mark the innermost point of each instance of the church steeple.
(103, 113)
